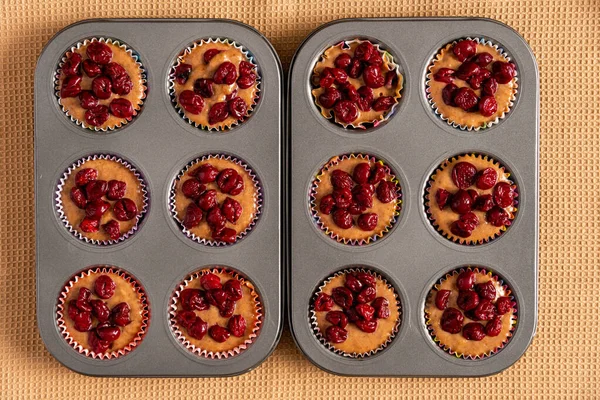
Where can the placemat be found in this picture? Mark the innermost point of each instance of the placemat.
(564, 359)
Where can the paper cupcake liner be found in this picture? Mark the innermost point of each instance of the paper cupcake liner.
(61, 314)
(314, 206)
(180, 336)
(466, 241)
(491, 352)
(59, 204)
(188, 50)
(321, 337)
(131, 52)
(258, 200)
(437, 112)
(389, 59)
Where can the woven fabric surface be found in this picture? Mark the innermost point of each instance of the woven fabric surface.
(564, 359)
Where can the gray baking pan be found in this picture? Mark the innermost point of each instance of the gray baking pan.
(413, 142)
(159, 143)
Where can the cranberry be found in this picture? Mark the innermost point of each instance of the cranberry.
(504, 305)
(244, 82)
(386, 191)
(108, 333)
(330, 97)
(206, 173)
(231, 210)
(209, 54)
(219, 112)
(218, 333)
(191, 102)
(346, 111)
(503, 195)
(342, 218)
(246, 68)
(445, 75)
(96, 209)
(383, 103)
(367, 222)
(125, 209)
(465, 98)
(364, 51)
(486, 290)
(87, 100)
(186, 318)
(237, 325)
(494, 327)
(327, 204)
(215, 218)
(378, 174)
(83, 298)
(463, 174)
(121, 108)
(343, 61)
(366, 311)
(102, 86)
(335, 334)
(122, 85)
(353, 283)
(381, 305)
(473, 331)
(120, 314)
(365, 98)
(366, 326)
(372, 77)
(95, 189)
(484, 202)
(71, 87)
(237, 108)
(323, 302)
(490, 86)
(448, 94)
(441, 299)
(78, 197)
(192, 188)
(485, 311)
(226, 73)
(467, 300)
(465, 280)
(504, 72)
(452, 320)
(99, 52)
(342, 297)
(113, 229)
(366, 295)
(468, 70)
(89, 225)
(461, 202)
(97, 116)
(488, 106)
(198, 328)
(104, 287)
(366, 279)
(71, 66)
(464, 49)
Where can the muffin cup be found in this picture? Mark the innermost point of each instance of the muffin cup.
(321, 336)
(134, 55)
(59, 204)
(314, 206)
(188, 50)
(258, 202)
(61, 312)
(428, 205)
(397, 95)
(181, 336)
(514, 319)
(435, 108)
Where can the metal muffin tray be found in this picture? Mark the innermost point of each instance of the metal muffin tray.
(159, 143)
(413, 142)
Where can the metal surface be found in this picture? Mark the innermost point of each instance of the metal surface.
(413, 142)
(159, 143)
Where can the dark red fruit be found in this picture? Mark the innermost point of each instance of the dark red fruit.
(237, 325)
(350, 93)
(353, 283)
(227, 308)
(102, 87)
(83, 298)
(337, 318)
(231, 210)
(365, 98)
(71, 86)
(120, 314)
(210, 281)
(364, 51)
(461, 202)
(122, 85)
(486, 290)
(366, 295)
(504, 305)
(490, 86)
(484, 202)
(95, 189)
(346, 111)
(246, 68)
(355, 69)
(97, 116)
(218, 113)
(488, 106)
(467, 70)
(373, 77)
(366, 326)
(226, 74)
(391, 78)
(361, 173)
(486, 179)
(326, 78)
(381, 305)
(198, 328)
(237, 108)
(342, 197)
(464, 174)
(96, 209)
(366, 279)
(227, 180)
(485, 311)
(367, 222)
(215, 218)
(363, 195)
(125, 209)
(185, 318)
(327, 204)
(97, 345)
(87, 99)
(465, 98)
(104, 287)
(474, 195)
(89, 225)
(335, 334)
(78, 197)
(467, 300)
(71, 66)
(206, 173)
(121, 108)
(482, 59)
(330, 97)
(192, 188)
(452, 320)
(207, 200)
(343, 61)
(227, 235)
(503, 195)
(233, 288)
(91, 69)
(113, 229)
(99, 52)
(209, 54)
(339, 75)
(462, 229)
(356, 209)
(464, 49)
(83, 321)
(504, 72)
(100, 310)
(191, 102)
(216, 297)
(116, 190)
(494, 327)
(218, 333)
(448, 94)
(342, 218)
(352, 314)
(114, 70)
(473, 331)
(193, 299)
(204, 87)
(465, 280)
(366, 311)
(441, 299)
(342, 297)
(442, 197)
(108, 333)
(386, 191)
(244, 82)
(375, 59)
(238, 187)
(445, 75)
(323, 302)
(378, 174)
(341, 179)
(383, 103)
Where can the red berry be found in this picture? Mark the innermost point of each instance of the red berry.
(378, 174)
(467, 70)
(335, 334)
(441, 299)
(504, 72)
(125, 209)
(372, 76)
(363, 195)
(375, 59)
(366, 279)
(120, 314)
(342, 297)
(323, 302)
(350, 93)
(226, 74)
(327, 204)
(96, 209)
(342, 197)
(108, 333)
(485, 311)
(116, 190)
(448, 94)
(71, 66)
(87, 100)
(89, 225)
(339, 75)
(473, 331)
(467, 300)
(330, 97)
(78, 197)
(99, 52)
(364, 51)
(326, 78)
(490, 86)
(383, 103)
(122, 85)
(494, 327)
(219, 112)
(503, 195)
(366, 326)
(209, 54)
(186, 318)
(452, 320)
(237, 108)
(464, 174)
(337, 318)
(488, 106)
(445, 75)
(102, 87)
(233, 288)
(381, 305)
(343, 61)
(207, 200)
(355, 69)
(486, 290)
(227, 235)
(442, 197)
(95, 189)
(91, 69)
(366, 311)
(215, 218)
(366, 295)
(193, 216)
(464, 49)
(227, 309)
(198, 328)
(352, 314)
(97, 116)
(353, 283)
(121, 108)
(465, 280)
(193, 299)
(246, 68)
(218, 333)
(482, 59)
(113, 229)
(504, 305)
(484, 202)
(83, 300)
(206, 173)
(465, 98)
(474, 195)
(486, 179)
(365, 98)
(204, 87)
(227, 180)
(342, 218)
(361, 173)
(97, 345)
(237, 325)
(461, 202)
(104, 287)
(367, 222)
(192, 188)
(386, 191)
(114, 70)
(341, 179)
(71, 87)
(231, 209)
(191, 102)
(83, 321)
(100, 310)
(346, 111)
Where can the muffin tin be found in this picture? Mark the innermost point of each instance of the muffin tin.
(158, 143)
(413, 142)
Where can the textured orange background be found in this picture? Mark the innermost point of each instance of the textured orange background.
(564, 358)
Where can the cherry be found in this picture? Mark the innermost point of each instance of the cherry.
(342, 198)
(226, 73)
(503, 195)
(215, 218)
(391, 78)
(206, 173)
(120, 314)
(504, 72)
(494, 327)
(463, 174)
(467, 300)
(343, 61)
(366, 312)
(341, 179)
(339, 75)
(352, 314)
(342, 218)
(485, 311)
(482, 59)
(204, 87)
(99, 52)
(227, 235)
(227, 179)
(125, 209)
(441, 299)
(186, 318)
(114, 70)
(386, 191)
(445, 75)
(504, 305)
(191, 102)
(486, 290)
(231, 209)
(383, 103)
(85, 176)
(372, 76)
(448, 94)
(122, 85)
(89, 225)
(381, 305)
(345, 111)
(219, 112)
(198, 328)
(193, 299)
(100, 310)
(108, 333)
(237, 108)
(121, 108)
(464, 49)
(366, 295)
(238, 187)
(462, 229)
(465, 280)
(237, 325)
(366, 326)
(452, 320)
(209, 54)
(98, 346)
(71, 66)
(96, 209)
(97, 116)
(375, 59)
(95, 189)
(71, 86)
(113, 229)
(363, 195)
(88, 100)
(323, 302)
(192, 188)
(78, 197)
(378, 173)
(326, 78)
(488, 106)
(218, 333)
(364, 51)
(330, 97)
(207, 200)
(327, 204)
(366, 279)
(355, 69)
(90, 68)
(102, 87)
(116, 190)
(227, 308)
(104, 287)
(83, 298)
(473, 331)
(353, 283)
(342, 297)
(467, 70)
(361, 173)
(465, 98)
(335, 334)
(233, 288)
(484, 202)
(337, 318)
(350, 93)
(461, 202)
(365, 98)
(490, 86)
(367, 222)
